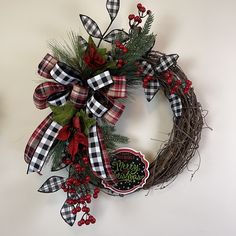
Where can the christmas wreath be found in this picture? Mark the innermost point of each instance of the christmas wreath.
(86, 89)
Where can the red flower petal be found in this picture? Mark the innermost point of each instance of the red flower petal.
(64, 133)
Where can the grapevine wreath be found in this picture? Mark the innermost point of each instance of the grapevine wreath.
(86, 89)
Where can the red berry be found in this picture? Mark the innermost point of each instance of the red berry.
(87, 222)
(70, 201)
(97, 190)
(121, 47)
(137, 18)
(88, 200)
(125, 50)
(80, 223)
(188, 82)
(87, 179)
(119, 65)
(78, 208)
(142, 9)
(67, 161)
(93, 221)
(131, 16)
(139, 6)
(178, 82)
(117, 43)
(85, 160)
(95, 195)
(74, 211)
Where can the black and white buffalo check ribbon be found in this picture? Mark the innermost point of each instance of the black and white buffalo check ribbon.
(164, 63)
(176, 104)
(68, 87)
(153, 85)
(40, 154)
(52, 184)
(67, 215)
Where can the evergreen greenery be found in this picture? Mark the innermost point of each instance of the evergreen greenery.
(111, 139)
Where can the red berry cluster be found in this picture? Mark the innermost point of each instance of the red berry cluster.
(122, 50)
(187, 87)
(177, 83)
(136, 20)
(80, 203)
(78, 186)
(146, 80)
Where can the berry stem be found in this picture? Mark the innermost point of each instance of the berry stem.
(104, 33)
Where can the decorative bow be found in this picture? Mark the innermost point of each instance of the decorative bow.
(69, 87)
(164, 63)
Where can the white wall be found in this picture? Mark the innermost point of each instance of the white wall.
(203, 33)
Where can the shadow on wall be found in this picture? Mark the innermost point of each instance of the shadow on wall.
(1, 113)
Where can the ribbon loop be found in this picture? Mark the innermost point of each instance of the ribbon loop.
(79, 96)
(64, 74)
(100, 81)
(95, 107)
(114, 113)
(119, 87)
(46, 92)
(46, 65)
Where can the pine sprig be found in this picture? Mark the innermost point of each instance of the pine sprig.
(148, 24)
(111, 139)
(69, 53)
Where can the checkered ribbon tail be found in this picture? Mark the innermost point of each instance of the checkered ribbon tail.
(40, 155)
(64, 74)
(113, 7)
(111, 179)
(36, 137)
(67, 215)
(151, 89)
(176, 105)
(166, 62)
(95, 154)
(52, 184)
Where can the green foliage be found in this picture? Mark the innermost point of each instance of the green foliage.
(86, 121)
(56, 154)
(148, 24)
(71, 53)
(111, 139)
(63, 114)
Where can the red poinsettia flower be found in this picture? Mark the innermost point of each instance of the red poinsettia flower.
(77, 137)
(92, 58)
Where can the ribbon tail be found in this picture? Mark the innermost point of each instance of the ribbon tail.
(98, 155)
(151, 89)
(176, 105)
(45, 137)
